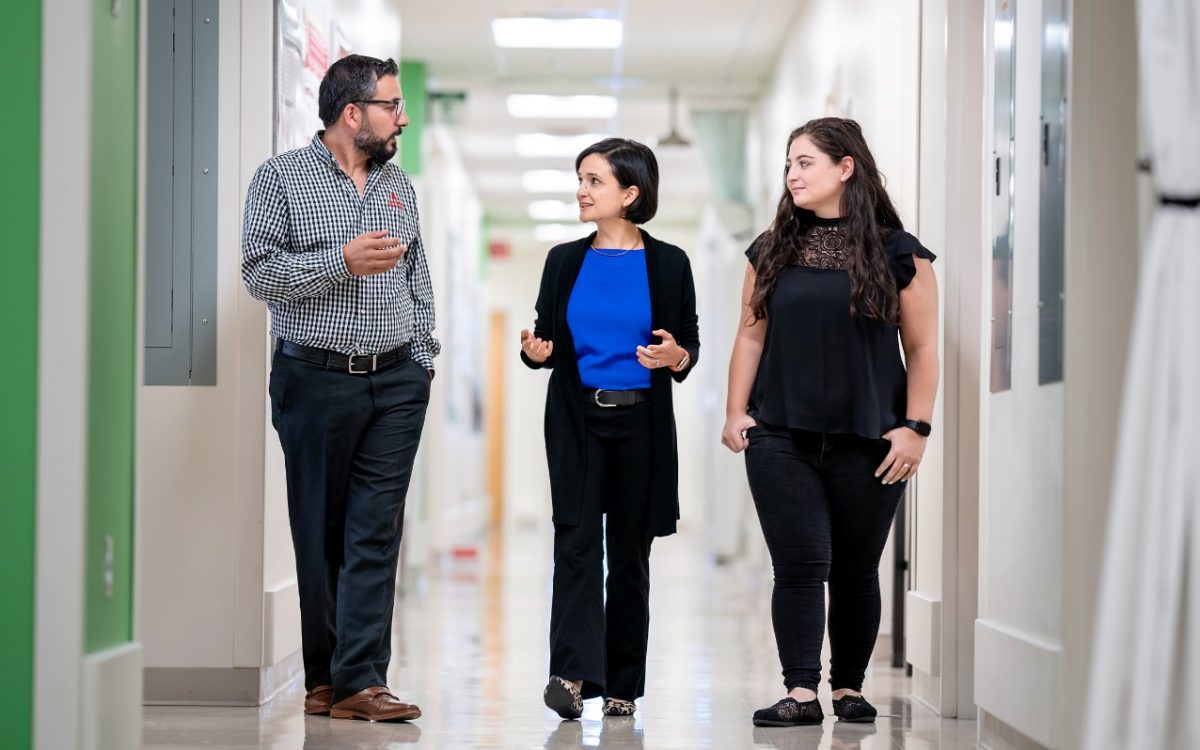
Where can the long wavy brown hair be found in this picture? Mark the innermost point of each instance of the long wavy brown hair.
(866, 209)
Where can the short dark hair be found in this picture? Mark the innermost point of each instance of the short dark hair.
(351, 79)
(633, 164)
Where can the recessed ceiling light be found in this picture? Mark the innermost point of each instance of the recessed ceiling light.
(543, 144)
(557, 33)
(549, 181)
(551, 210)
(542, 105)
(557, 232)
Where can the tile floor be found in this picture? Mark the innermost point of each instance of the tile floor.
(470, 649)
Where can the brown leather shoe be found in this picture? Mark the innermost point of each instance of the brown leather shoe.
(374, 704)
(318, 700)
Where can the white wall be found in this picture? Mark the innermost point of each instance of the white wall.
(941, 603)
(447, 506)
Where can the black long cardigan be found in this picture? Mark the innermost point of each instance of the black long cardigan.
(673, 308)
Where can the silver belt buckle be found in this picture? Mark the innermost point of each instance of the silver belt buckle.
(596, 398)
(370, 367)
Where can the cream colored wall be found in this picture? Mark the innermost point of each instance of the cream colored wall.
(1046, 476)
(941, 604)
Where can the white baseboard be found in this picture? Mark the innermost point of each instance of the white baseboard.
(236, 686)
(1017, 681)
(111, 699)
(923, 633)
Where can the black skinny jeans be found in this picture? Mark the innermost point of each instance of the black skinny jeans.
(826, 517)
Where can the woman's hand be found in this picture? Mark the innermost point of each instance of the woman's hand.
(667, 354)
(733, 436)
(902, 460)
(536, 349)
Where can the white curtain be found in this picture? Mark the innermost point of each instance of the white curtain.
(1144, 690)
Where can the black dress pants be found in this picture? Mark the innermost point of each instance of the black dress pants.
(602, 640)
(349, 442)
(825, 517)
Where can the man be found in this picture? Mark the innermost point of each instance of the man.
(331, 242)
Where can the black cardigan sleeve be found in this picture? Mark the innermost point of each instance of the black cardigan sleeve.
(689, 334)
(547, 301)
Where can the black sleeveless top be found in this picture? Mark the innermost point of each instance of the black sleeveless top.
(821, 369)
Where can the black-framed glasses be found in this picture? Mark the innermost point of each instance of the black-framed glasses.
(397, 105)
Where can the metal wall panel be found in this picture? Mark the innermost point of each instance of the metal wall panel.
(1004, 43)
(1055, 46)
(181, 193)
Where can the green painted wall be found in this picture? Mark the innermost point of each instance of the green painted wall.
(20, 131)
(113, 324)
(412, 83)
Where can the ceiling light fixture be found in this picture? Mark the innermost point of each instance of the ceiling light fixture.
(549, 181)
(543, 144)
(557, 232)
(673, 138)
(542, 105)
(551, 210)
(557, 33)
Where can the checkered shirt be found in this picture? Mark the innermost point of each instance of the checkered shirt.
(301, 209)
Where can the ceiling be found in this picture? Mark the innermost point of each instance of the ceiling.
(718, 53)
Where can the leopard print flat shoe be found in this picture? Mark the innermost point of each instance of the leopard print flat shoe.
(563, 698)
(618, 707)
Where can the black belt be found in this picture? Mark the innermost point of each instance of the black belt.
(607, 398)
(355, 364)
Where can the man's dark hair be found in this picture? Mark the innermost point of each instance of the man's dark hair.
(351, 79)
(632, 164)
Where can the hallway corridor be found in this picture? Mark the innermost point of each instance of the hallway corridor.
(470, 649)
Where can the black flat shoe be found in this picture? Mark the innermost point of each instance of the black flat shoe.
(789, 712)
(563, 698)
(854, 708)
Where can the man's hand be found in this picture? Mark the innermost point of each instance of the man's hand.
(373, 252)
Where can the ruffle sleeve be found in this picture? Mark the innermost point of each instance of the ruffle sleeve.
(901, 247)
(752, 251)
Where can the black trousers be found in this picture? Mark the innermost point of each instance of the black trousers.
(348, 444)
(826, 518)
(602, 640)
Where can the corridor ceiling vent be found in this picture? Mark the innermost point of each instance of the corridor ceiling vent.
(590, 31)
(553, 107)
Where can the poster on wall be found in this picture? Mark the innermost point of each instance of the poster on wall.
(301, 58)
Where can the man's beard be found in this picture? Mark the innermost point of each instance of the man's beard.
(376, 148)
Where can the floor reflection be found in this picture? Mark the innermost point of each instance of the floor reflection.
(470, 648)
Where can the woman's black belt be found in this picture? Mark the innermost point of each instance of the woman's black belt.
(355, 364)
(606, 398)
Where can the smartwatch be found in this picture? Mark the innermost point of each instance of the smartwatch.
(918, 426)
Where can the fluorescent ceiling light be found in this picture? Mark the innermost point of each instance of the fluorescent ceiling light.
(542, 144)
(557, 33)
(549, 181)
(551, 210)
(541, 105)
(557, 232)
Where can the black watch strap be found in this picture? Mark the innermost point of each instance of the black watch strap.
(921, 428)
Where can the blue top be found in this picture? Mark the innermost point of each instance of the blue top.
(609, 317)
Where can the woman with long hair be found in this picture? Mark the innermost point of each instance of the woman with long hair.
(820, 400)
